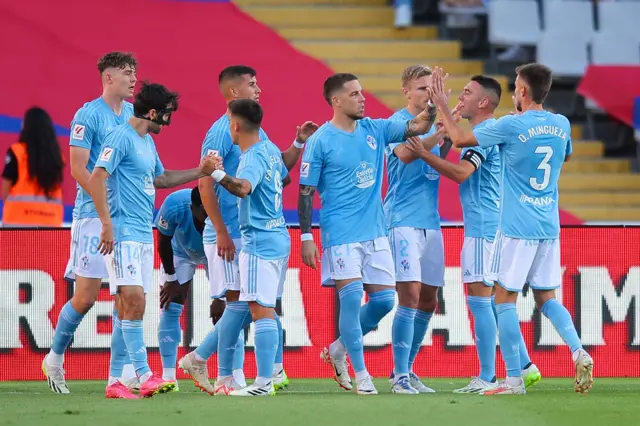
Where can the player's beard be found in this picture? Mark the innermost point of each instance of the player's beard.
(355, 117)
(519, 106)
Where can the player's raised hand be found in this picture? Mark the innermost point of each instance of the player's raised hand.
(106, 239)
(439, 96)
(310, 254)
(209, 164)
(305, 131)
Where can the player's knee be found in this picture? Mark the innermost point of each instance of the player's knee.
(428, 299)
(132, 304)
(83, 302)
(543, 296)
(408, 294)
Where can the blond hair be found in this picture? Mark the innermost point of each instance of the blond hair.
(414, 72)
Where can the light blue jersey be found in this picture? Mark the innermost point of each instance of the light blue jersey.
(89, 127)
(480, 193)
(132, 163)
(347, 170)
(264, 230)
(218, 141)
(412, 198)
(175, 220)
(533, 148)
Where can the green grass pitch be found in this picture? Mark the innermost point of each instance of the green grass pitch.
(321, 402)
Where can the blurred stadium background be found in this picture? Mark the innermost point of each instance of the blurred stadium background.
(50, 50)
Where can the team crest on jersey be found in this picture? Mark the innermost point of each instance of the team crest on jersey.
(147, 185)
(132, 270)
(340, 263)
(364, 175)
(84, 262)
(429, 172)
(405, 265)
(371, 141)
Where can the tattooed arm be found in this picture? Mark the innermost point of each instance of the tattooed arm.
(422, 123)
(238, 187)
(305, 207)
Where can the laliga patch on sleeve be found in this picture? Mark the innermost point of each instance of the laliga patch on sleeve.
(304, 169)
(162, 223)
(78, 132)
(106, 154)
(213, 152)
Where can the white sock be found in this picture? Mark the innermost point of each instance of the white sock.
(361, 375)
(575, 355)
(337, 350)
(198, 357)
(55, 360)
(112, 381)
(222, 378)
(514, 381)
(128, 372)
(169, 374)
(277, 368)
(238, 376)
(146, 376)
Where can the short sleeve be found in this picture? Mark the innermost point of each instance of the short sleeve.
(217, 142)
(114, 149)
(159, 166)
(393, 131)
(569, 149)
(10, 171)
(312, 162)
(496, 133)
(83, 130)
(253, 169)
(166, 220)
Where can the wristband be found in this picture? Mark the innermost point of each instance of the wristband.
(430, 104)
(170, 277)
(298, 144)
(306, 237)
(218, 175)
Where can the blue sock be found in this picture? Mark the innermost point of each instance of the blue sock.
(209, 345)
(169, 334)
(525, 360)
(349, 323)
(119, 352)
(238, 354)
(402, 338)
(485, 329)
(68, 321)
(266, 338)
(561, 320)
(510, 337)
(134, 339)
(280, 340)
(230, 325)
(379, 305)
(420, 326)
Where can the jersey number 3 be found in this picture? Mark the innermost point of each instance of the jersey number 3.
(545, 167)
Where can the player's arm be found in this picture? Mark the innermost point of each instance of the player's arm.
(421, 123)
(165, 251)
(237, 186)
(407, 156)
(305, 207)
(291, 156)
(81, 139)
(173, 178)
(79, 160)
(97, 188)
(445, 147)
(286, 181)
(456, 172)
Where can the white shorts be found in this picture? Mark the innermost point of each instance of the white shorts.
(85, 260)
(418, 255)
(262, 280)
(223, 275)
(369, 260)
(516, 262)
(185, 269)
(130, 263)
(475, 260)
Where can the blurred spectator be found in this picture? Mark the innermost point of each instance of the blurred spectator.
(32, 175)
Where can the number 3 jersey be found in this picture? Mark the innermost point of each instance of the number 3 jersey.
(533, 148)
(262, 224)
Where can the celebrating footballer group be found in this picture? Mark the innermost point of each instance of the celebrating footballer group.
(232, 224)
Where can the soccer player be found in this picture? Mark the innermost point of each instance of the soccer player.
(130, 160)
(478, 174)
(86, 266)
(344, 160)
(533, 147)
(180, 223)
(411, 210)
(222, 241)
(263, 261)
